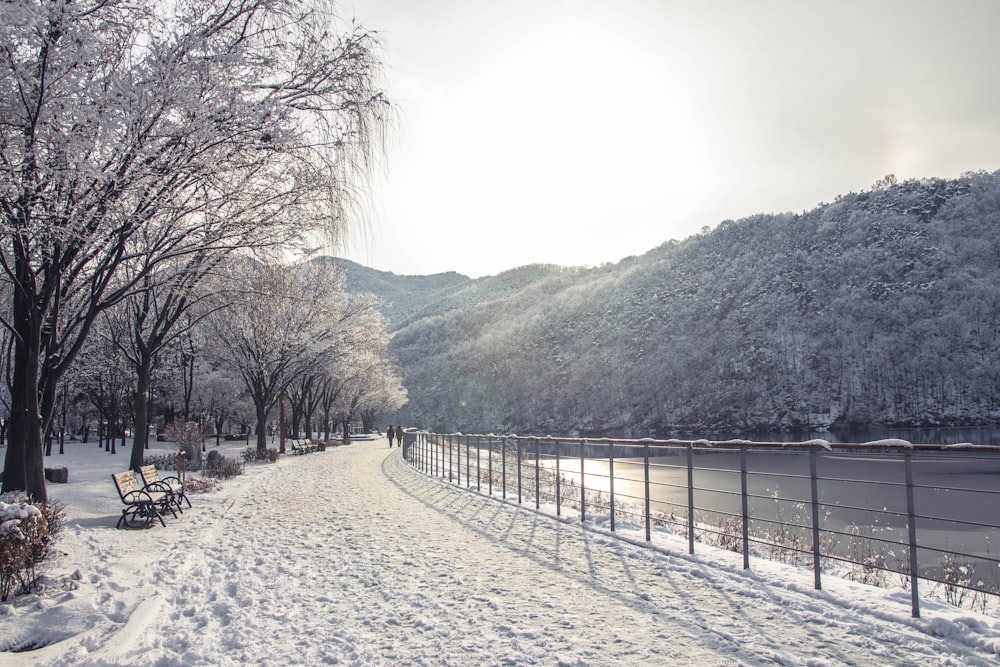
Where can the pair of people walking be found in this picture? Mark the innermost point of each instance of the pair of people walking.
(398, 433)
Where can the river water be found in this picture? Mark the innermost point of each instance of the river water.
(862, 498)
(936, 435)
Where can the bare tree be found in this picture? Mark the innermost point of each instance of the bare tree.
(104, 378)
(270, 324)
(147, 322)
(138, 133)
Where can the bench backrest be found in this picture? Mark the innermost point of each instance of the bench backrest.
(126, 482)
(149, 474)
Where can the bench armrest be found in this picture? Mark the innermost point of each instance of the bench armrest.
(137, 498)
(159, 486)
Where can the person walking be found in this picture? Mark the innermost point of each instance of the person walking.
(399, 436)
(389, 433)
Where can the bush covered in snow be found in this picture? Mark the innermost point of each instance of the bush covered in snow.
(169, 462)
(221, 467)
(254, 454)
(27, 532)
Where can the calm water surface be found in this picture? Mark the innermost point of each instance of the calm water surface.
(956, 495)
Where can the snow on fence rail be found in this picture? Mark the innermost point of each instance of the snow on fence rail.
(867, 510)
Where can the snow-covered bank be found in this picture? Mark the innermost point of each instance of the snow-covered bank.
(350, 557)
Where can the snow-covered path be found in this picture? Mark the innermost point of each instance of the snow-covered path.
(350, 557)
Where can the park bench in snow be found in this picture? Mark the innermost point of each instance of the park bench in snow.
(304, 446)
(141, 506)
(170, 485)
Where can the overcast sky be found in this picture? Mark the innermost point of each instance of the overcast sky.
(579, 132)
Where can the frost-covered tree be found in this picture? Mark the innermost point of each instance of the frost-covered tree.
(135, 133)
(274, 321)
(364, 383)
(145, 326)
(297, 324)
(105, 379)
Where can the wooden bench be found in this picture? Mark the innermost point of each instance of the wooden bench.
(303, 446)
(141, 506)
(170, 485)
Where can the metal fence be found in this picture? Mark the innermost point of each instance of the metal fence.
(889, 508)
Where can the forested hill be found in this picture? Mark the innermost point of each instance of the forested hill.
(882, 307)
(402, 296)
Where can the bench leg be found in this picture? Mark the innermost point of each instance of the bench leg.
(139, 516)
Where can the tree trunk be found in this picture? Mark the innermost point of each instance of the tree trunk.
(140, 439)
(261, 427)
(62, 423)
(24, 463)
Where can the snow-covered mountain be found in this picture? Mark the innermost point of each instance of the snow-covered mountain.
(881, 307)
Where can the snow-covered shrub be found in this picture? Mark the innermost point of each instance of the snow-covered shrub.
(169, 462)
(869, 561)
(200, 485)
(254, 454)
(221, 467)
(27, 531)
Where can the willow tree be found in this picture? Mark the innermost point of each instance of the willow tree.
(138, 133)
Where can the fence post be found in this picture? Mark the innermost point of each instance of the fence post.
(468, 464)
(746, 513)
(503, 468)
(555, 444)
(911, 521)
(479, 466)
(489, 445)
(537, 470)
(690, 464)
(645, 468)
(518, 441)
(451, 458)
(611, 482)
(814, 486)
(458, 468)
(583, 486)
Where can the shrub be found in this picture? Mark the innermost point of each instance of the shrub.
(200, 485)
(169, 462)
(221, 467)
(254, 454)
(27, 532)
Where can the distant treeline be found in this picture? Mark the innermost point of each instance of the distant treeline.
(880, 308)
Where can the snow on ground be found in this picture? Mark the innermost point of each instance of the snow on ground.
(349, 556)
